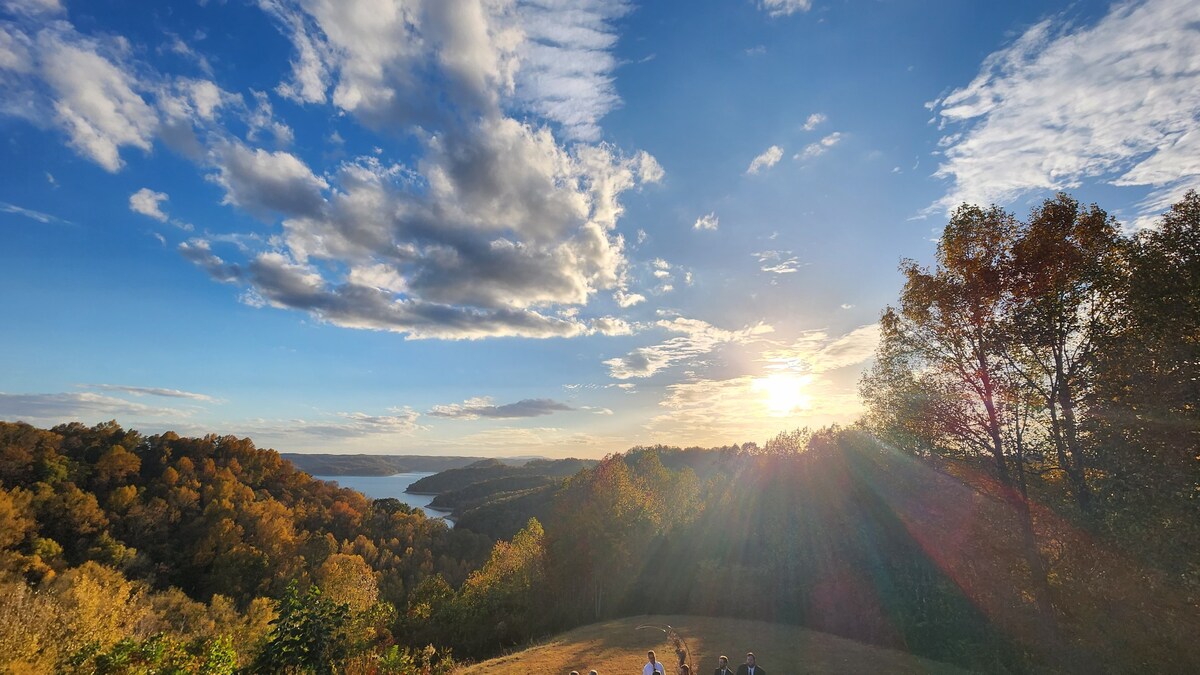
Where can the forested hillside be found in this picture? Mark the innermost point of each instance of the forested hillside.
(190, 539)
(319, 464)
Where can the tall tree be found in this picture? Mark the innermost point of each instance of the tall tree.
(1065, 286)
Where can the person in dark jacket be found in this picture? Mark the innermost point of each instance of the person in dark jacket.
(750, 667)
(723, 667)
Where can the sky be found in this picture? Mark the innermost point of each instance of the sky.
(511, 227)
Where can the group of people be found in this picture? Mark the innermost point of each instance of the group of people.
(655, 667)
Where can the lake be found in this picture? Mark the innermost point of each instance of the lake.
(381, 487)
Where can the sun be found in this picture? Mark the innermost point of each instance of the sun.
(783, 393)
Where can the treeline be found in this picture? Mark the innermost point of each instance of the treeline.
(320, 464)
(118, 549)
(1061, 358)
(1057, 359)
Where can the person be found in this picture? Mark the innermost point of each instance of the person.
(574, 672)
(592, 672)
(653, 666)
(723, 666)
(750, 667)
(685, 669)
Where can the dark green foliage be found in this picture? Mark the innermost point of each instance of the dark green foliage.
(308, 636)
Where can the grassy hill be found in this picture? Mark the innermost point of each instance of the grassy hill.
(619, 647)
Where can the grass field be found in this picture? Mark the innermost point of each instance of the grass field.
(619, 647)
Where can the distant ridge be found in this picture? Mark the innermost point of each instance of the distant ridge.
(384, 465)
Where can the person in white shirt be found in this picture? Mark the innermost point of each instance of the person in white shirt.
(723, 667)
(653, 666)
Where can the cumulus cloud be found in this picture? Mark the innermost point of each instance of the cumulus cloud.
(776, 8)
(265, 183)
(707, 222)
(769, 158)
(819, 148)
(94, 99)
(696, 338)
(814, 120)
(1115, 101)
(94, 91)
(146, 202)
(777, 262)
(496, 228)
(484, 407)
(492, 229)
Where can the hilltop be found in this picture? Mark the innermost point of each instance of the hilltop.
(619, 647)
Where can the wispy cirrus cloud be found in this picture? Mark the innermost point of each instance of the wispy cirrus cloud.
(777, 262)
(1116, 101)
(696, 338)
(44, 218)
(818, 352)
(152, 391)
(484, 407)
(396, 421)
(74, 406)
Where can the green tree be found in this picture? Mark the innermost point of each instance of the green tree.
(307, 636)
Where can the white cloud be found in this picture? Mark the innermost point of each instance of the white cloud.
(611, 325)
(495, 227)
(80, 406)
(820, 147)
(769, 158)
(566, 62)
(265, 182)
(626, 300)
(777, 8)
(697, 338)
(707, 222)
(1115, 101)
(146, 202)
(777, 262)
(816, 352)
(29, 213)
(342, 425)
(94, 99)
(34, 7)
(153, 391)
(484, 407)
(814, 120)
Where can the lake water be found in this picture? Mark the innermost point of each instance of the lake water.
(382, 487)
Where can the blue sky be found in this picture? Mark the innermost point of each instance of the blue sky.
(560, 227)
